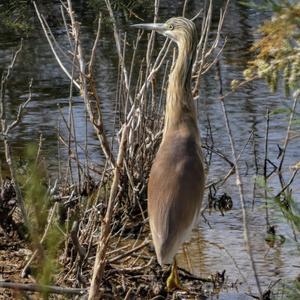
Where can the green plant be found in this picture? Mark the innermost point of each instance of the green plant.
(16, 15)
(277, 61)
(45, 236)
(127, 7)
(289, 208)
(277, 52)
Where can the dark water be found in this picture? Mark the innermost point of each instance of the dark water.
(247, 109)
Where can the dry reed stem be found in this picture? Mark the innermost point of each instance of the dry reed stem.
(239, 184)
(285, 186)
(100, 261)
(94, 49)
(44, 27)
(119, 48)
(71, 126)
(286, 141)
(88, 89)
(86, 85)
(202, 53)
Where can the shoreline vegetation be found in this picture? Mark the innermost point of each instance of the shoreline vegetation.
(86, 234)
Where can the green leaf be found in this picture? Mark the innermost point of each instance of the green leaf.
(280, 110)
(260, 181)
(296, 122)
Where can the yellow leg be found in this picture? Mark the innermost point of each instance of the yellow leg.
(173, 281)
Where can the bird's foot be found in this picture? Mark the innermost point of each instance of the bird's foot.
(173, 281)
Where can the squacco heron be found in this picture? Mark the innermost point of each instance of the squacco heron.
(176, 182)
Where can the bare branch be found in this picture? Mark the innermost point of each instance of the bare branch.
(119, 48)
(4, 132)
(52, 46)
(106, 224)
(93, 55)
(42, 288)
(144, 244)
(88, 90)
(20, 111)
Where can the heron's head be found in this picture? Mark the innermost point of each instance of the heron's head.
(178, 29)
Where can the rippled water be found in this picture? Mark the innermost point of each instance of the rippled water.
(220, 244)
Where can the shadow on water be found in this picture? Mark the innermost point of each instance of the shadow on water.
(214, 247)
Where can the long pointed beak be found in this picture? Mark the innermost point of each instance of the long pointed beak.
(159, 27)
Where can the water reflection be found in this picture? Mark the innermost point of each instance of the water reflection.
(214, 248)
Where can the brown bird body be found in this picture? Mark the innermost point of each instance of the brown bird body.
(176, 182)
(174, 192)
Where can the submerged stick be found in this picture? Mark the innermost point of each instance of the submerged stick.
(266, 168)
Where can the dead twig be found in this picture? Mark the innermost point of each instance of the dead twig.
(119, 48)
(86, 83)
(7, 128)
(47, 35)
(289, 183)
(144, 244)
(42, 288)
(74, 237)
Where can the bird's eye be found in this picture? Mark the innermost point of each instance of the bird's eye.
(171, 27)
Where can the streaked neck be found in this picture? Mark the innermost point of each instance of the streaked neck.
(180, 108)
